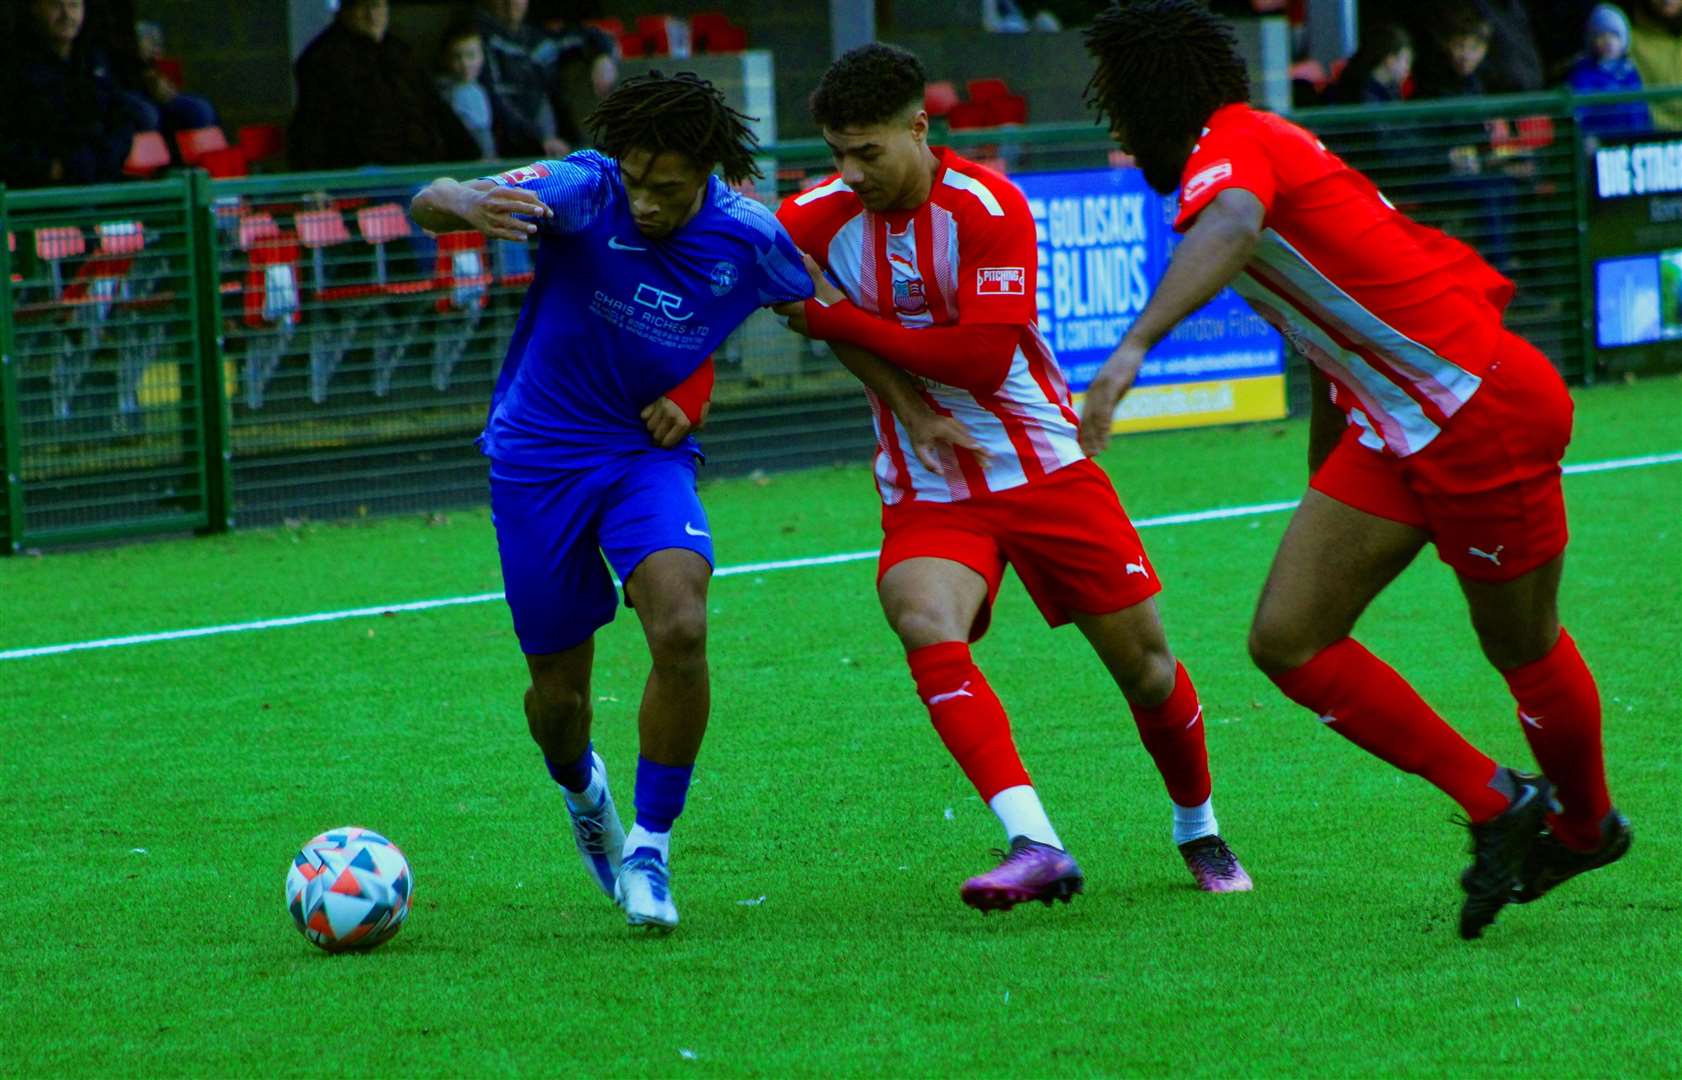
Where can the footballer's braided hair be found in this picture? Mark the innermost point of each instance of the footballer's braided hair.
(683, 113)
(1164, 67)
(866, 86)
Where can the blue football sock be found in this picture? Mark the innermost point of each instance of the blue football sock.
(574, 775)
(661, 790)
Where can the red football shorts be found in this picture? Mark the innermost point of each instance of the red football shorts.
(1487, 489)
(1066, 535)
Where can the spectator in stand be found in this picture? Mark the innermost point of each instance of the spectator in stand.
(363, 99)
(1655, 44)
(1451, 63)
(61, 120)
(520, 65)
(1606, 66)
(155, 103)
(461, 60)
(576, 42)
(1379, 70)
(1514, 64)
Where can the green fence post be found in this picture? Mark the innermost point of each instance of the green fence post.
(11, 427)
(216, 447)
(1585, 272)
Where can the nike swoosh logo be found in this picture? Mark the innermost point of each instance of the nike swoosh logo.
(613, 242)
(693, 531)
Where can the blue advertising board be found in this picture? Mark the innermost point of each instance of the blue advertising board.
(1104, 240)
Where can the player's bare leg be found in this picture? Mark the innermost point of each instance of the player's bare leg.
(932, 604)
(1517, 623)
(558, 714)
(669, 591)
(1331, 563)
(1133, 647)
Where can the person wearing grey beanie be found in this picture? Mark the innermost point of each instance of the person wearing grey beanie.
(1605, 67)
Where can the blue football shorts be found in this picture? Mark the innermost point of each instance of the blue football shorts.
(558, 531)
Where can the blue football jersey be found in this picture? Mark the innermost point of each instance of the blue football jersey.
(614, 319)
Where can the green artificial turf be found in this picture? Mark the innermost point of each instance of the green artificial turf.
(155, 794)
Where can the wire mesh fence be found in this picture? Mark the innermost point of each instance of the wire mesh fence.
(104, 430)
(189, 353)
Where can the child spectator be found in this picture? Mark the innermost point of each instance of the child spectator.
(1459, 43)
(1606, 66)
(462, 59)
(1378, 71)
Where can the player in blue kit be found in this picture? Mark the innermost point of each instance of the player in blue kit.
(645, 263)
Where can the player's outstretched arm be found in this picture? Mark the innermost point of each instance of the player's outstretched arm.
(1211, 255)
(447, 205)
(930, 432)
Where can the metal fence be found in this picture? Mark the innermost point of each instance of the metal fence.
(185, 353)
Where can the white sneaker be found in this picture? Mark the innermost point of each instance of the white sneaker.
(644, 890)
(599, 835)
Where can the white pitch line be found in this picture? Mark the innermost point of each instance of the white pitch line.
(1190, 518)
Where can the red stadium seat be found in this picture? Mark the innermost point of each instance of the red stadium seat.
(728, 39)
(255, 228)
(121, 237)
(197, 142)
(463, 277)
(940, 97)
(1010, 109)
(260, 142)
(985, 90)
(632, 46)
(969, 114)
(608, 25)
(321, 228)
(59, 242)
(382, 223)
(224, 163)
(656, 34)
(147, 154)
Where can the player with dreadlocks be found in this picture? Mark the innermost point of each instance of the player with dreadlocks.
(645, 262)
(1431, 422)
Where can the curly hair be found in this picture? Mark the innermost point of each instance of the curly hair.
(683, 113)
(866, 86)
(1164, 67)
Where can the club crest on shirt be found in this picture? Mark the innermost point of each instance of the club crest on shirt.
(535, 171)
(724, 277)
(909, 298)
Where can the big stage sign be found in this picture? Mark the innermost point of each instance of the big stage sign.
(1104, 240)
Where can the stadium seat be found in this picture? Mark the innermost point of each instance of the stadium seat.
(969, 114)
(713, 32)
(940, 97)
(632, 46)
(1010, 109)
(53, 245)
(463, 281)
(260, 142)
(270, 298)
(607, 25)
(379, 225)
(147, 155)
(197, 142)
(655, 31)
(982, 91)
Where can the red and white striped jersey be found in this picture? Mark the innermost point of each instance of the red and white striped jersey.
(1402, 319)
(967, 255)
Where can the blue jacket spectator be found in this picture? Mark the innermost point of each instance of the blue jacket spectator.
(1606, 66)
(61, 119)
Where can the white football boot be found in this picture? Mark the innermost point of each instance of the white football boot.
(599, 835)
(644, 890)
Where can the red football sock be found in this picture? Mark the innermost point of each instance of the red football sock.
(1363, 699)
(1559, 711)
(1173, 734)
(968, 716)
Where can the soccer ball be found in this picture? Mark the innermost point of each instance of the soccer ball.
(349, 888)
